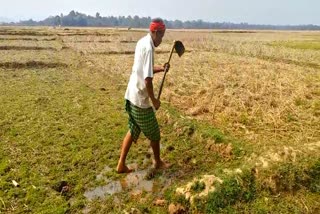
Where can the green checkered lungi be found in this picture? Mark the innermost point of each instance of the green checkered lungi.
(142, 120)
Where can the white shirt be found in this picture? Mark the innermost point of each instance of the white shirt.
(142, 68)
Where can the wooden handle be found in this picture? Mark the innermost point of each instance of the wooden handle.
(162, 82)
(165, 71)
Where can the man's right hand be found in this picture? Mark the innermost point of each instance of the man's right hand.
(166, 67)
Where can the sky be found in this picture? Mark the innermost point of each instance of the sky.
(275, 12)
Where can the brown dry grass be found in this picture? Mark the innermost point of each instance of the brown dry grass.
(27, 39)
(31, 64)
(268, 101)
(25, 48)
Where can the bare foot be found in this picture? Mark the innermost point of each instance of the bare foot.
(123, 169)
(162, 165)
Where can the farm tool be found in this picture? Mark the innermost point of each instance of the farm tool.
(179, 48)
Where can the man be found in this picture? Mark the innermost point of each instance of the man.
(139, 93)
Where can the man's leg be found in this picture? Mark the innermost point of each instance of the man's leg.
(159, 164)
(127, 142)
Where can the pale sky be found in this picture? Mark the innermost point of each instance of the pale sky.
(277, 12)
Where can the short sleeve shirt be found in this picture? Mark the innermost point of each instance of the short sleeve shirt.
(142, 68)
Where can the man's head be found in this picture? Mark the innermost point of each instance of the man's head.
(157, 31)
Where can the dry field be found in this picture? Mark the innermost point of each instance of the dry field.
(240, 122)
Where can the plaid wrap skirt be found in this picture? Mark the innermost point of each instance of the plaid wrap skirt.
(142, 120)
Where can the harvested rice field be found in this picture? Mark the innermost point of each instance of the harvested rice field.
(239, 120)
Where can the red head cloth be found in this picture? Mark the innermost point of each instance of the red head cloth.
(155, 26)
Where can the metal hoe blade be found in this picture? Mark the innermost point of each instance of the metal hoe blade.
(179, 47)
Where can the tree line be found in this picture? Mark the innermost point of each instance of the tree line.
(83, 20)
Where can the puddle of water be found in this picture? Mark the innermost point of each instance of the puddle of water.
(134, 183)
(86, 210)
(101, 175)
(137, 183)
(102, 192)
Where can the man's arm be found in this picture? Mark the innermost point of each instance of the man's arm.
(157, 69)
(149, 86)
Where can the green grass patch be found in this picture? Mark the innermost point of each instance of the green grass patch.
(233, 189)
(250, 192)
(303, 45)
(198, 186)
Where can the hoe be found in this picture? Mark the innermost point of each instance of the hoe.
(179, 47)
